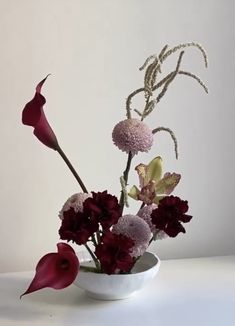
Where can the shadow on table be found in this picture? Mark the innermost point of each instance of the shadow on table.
(40, 304)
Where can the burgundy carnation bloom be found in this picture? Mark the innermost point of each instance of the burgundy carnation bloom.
(103, 208)
(33, 115)
(55, 270)
(169, 215)
(114, 253)
(77, 227)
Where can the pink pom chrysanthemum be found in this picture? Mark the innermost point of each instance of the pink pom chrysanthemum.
(137, 229)
(76, 202)
(132, 135)
(145, 214)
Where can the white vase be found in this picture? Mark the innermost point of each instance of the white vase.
(119, 286)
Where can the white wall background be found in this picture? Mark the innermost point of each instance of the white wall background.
(93, 50)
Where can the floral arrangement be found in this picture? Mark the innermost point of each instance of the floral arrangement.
(96, 219)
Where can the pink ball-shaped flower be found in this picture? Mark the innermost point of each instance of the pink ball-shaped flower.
(132, 135)
(145, 214)
(76, 202)
(137, 229)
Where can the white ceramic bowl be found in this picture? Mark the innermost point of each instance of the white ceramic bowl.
(119, 286)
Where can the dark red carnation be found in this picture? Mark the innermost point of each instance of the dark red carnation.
(77, 227)
(103, 207)
(169, 214)
(114, 253)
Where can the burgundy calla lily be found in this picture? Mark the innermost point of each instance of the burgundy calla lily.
(33, 115)
(55, 270)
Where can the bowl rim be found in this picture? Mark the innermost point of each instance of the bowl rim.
(155, 265)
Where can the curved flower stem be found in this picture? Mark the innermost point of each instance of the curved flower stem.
(128, 101)
(125, 177)
(171, 78)
(64, 157)
(154, 131)
(97, 264)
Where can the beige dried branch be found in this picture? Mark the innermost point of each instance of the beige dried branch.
(138, 112)
(181, 72)
(142, 89)
(161, 83)
(153, 56)
(154, 131)
(167, 80)
(171, 78)
(128, 101)
(150, 106)
(152, 71)
(151, 75)
(181, 46)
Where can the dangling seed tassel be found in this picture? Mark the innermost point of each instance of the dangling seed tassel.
(172, 136)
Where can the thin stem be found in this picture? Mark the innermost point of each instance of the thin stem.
(64, 157)
(94, 240)
(98, 237)
(151, 240)
(93, 257)
(125, 177)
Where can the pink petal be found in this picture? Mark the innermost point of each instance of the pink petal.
(33, 115)
(148, 193)
(168, 183)
(55, 270)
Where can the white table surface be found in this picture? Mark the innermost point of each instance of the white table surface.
(186, 292)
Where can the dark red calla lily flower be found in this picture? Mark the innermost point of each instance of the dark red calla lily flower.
(33, 115)
(55, 270)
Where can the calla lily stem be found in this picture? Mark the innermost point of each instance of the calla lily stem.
(64, 157)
